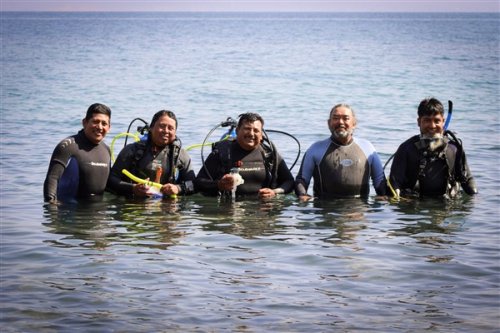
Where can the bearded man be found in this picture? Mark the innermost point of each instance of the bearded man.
(341, 165)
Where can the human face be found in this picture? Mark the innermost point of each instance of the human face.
(163, 131)
(249, 134)
(97, 127)
(431, 126)
(342, 124)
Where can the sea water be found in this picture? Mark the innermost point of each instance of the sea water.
(199, 264)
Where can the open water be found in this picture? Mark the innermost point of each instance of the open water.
(201, 265)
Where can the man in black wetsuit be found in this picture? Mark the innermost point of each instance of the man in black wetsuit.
(264, 172)
(432, 163)
(160, 159)
(80, 164)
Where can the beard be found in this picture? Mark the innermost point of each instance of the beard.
(433, 142)
(435, 136)
(341, 133)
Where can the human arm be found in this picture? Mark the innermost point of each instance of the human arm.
(285, 181)
(304, 176)
(377, 174)
(50, 185)
(117, 183)
(466, 179)
(61, 156)
(210, 180)
(398, 180)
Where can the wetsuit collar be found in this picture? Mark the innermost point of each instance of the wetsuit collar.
(334, 140)
(87, 141)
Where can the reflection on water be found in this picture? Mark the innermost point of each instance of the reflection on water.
(99, 225)
(244, 218)
(424, 219)
(252, 265)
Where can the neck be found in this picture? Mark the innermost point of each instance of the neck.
(342, 141)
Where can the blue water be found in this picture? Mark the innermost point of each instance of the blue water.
(198, 264)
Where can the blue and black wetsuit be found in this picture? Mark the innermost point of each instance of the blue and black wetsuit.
(257, 167)
(418, 170)
(341, 170)
(139, 159)
(78, 169)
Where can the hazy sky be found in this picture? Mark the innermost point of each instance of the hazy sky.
(254, 5)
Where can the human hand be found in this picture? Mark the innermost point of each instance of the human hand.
(142, 190)
(170, 189)
(226, 183)
(305, 198)
(266, 193)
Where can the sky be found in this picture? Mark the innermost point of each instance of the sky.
(255, 5)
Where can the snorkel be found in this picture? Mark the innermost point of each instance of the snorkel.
(448, 117)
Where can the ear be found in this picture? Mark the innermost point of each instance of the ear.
(84, 122)
(418, 121)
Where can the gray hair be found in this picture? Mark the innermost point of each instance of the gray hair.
(345, 105)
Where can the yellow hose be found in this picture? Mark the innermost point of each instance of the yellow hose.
(394, 193)
(112, 146)
(198, 145)
(140, 180)
(145, 182)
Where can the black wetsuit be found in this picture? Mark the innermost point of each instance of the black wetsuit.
(138, 159)
(416, 169)
(78, 169)
(256, 173)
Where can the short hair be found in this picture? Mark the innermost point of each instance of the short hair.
(162, 113)
(97, 108)
(250, 117)
(345, 105)
(429, 107)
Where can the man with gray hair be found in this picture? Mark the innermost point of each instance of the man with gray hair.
(341, 165)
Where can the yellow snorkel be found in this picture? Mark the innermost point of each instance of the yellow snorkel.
(145, 182)
(395, 194)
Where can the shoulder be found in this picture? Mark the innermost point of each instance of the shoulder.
(67, 146)
(221, 147)
(364, 143)
(67, 142)
(320, 145)
(409, 144)
(134, 148)
(366, 146)
(183, 154)
(411, 140)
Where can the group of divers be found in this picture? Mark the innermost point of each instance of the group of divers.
(245, 162)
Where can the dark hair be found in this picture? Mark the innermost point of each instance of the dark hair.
(97, 108)
(249, 117)
(429, 107)
(162, 113)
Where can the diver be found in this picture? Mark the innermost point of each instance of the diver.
(247, 166)
(159, 158)
(342, 164)
(80, 164)
(432, 163)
